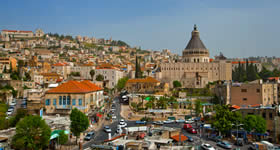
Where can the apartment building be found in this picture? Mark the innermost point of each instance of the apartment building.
(246, 94)
(7, 62)
(34, 100)
(62, 69)
(7, 35)
(111, 74)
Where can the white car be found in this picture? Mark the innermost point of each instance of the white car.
(189, 121)
(13, 103)
(158, 122)
(114, 117)
(207, 147)
(119, 129)
(122, 123)
(9, 113)
(180, 121)
(107, 129)
(11, 109)
(168, 121)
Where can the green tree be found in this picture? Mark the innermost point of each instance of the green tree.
(27, 76)
(62, 138)
(260, 124)
(100, 48)
(79, 122)
(224, 119)
(151, 103)
(265, 73)
(21, 113)
(254, 123)
(5, 69)
(148, 71)
(162, 102)
(189, 106)
(121, 83)
(276, 73)
(99, 77)
(32, 133)
(176, 84)
(249, 122)
(75, 74)
(198, 107)
(92, 73)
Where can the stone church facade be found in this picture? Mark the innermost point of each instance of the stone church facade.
(195, 69)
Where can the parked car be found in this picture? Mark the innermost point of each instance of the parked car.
(224, 144)
(207, 147)
(89, 136)
(141, 122)
(180, 121)
(119, 129)
(256, 146)
(215, 138)
(189, 121)
(113, 108)
(8, 113)
(107, 129)
(187, 126)
(190, 139)
(239, 142)
(168, 121)
(114, 117)
(192, 130)
(13, 103)
(122, 123)
(11, 109)
(158, 123)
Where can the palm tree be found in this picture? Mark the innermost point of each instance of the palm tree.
(151, 103)
(92, 73)
(190, 107)
(162, 102)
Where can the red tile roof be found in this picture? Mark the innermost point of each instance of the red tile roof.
(60, 64)
(243, 62)
(16, 31)
(75, 87)
(273, 78)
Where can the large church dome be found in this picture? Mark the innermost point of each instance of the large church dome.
(195, 51)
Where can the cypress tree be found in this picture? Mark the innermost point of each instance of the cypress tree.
(136, 67)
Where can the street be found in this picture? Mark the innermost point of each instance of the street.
(101, 135)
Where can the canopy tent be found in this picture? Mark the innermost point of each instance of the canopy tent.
(147, 98)
(55, 133)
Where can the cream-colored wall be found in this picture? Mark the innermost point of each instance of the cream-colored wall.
(187, 71)
(89, 100)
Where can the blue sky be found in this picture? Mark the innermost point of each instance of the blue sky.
(238, 28)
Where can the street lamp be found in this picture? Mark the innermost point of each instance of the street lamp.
(237, 125)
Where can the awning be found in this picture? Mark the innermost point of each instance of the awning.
(148, 98)
(55, 133)
(177, 138)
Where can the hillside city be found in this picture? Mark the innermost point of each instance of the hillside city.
(64, 92)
